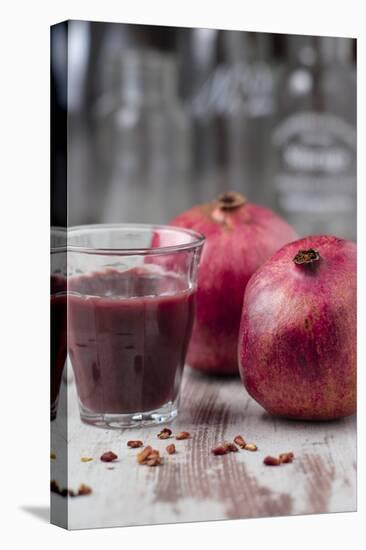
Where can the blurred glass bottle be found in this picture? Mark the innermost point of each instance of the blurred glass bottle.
(231, 107)
(314, 140)
(144, 136)
(249, 114)
(197, 60)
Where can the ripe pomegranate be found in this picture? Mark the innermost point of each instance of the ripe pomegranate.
(239, 237)
(297, 342)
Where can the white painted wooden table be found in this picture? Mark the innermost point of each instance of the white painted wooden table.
(194, 485)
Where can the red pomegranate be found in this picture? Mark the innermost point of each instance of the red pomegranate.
(239, 237)
(297, 342)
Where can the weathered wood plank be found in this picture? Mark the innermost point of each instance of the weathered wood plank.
(194, 485)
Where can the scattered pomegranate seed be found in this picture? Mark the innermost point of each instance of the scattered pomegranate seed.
(171, 449)
(165, 433)
(109, 456)
(84, 490)
(250, 447)
(286, 458)
(230, 447)
(182, 435)
(142, 455)
(154, 461)
(271, 461)
(239, 440)
(149, 456)
(219, 450)
(154, 454)
(55, 488)
(134, 444)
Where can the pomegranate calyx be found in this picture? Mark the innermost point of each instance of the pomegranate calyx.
(230, 200)
(309, 256)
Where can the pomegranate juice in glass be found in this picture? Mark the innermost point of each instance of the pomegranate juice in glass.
(131, 291)
(58, 313)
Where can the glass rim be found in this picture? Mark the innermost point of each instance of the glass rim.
(198, 239)
(58, 231)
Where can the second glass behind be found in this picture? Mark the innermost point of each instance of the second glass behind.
(131, 293)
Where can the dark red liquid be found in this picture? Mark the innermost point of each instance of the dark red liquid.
(58, 337)
(129, 333)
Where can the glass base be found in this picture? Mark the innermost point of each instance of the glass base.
(163, 415)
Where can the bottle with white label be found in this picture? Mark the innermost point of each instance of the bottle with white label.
(314, 138)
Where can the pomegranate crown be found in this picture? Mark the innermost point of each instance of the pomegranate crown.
(231, 200)
(309, 256)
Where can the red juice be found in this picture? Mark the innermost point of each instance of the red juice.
(58, 337)
(128, 337)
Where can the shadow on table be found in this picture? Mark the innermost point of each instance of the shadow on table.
(40, 512)
(336, 423)
(209, 377)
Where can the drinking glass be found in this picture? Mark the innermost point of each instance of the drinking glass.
(58, 312)
(131, 294)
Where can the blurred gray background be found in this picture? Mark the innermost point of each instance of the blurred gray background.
(162, 118)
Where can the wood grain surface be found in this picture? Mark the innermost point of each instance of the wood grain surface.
(193, 484)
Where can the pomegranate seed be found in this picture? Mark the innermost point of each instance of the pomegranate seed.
(165, 433)
(239, 440)
(183, 435)
(134, 444)
(219, 450)
(230, 447)
(109, 456)
(271, 461)
(285, 458)
(170, 449)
